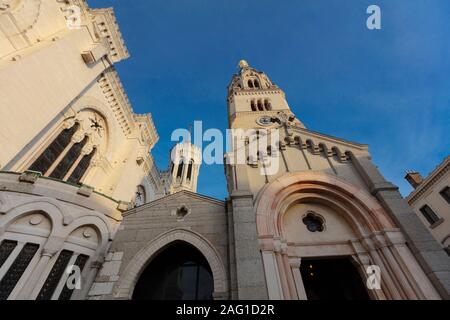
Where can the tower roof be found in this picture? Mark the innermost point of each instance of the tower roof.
(243, 64)
(248, 78)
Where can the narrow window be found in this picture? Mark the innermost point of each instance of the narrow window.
(81, 168)
(260, 106)
(140, 198)
(189, 173)
(445, 193)
(429, 214)
(256, 84)
(66, 163)
(55, 275)
(52, 152)
(252, 104)
(17, 269)
(250, 84)
(80, 262)
(6, 248)
(267, 105)
(180, 170)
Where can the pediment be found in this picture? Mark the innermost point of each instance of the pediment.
(181, 197)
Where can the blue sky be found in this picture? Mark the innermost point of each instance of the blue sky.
(387, 88)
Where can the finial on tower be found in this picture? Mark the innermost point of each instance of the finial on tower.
(243, 64)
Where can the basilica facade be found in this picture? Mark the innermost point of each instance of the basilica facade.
(79, 189)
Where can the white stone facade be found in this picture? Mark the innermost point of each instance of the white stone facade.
(75, 155)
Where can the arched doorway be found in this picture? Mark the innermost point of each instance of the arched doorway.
(179, 272)
(332, 279)
(314, 216)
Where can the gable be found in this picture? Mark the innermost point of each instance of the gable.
(178, 199)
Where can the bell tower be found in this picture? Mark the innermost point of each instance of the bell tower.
(185, 160)
(253, 99)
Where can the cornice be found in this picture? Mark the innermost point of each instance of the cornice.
(117, 99)
(148, 129)
(332, 139)
(107, 27)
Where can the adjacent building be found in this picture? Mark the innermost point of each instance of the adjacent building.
(430, 200)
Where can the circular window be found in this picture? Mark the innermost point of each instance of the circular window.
(313, 222)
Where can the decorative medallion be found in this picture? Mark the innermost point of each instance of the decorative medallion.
(35, 220)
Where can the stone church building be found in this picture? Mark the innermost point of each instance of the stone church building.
(80, 191)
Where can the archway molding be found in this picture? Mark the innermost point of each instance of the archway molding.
(376, 239)
(143, 258)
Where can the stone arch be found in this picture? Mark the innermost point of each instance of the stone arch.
(97, 223)
(374, 231)
(363, 212)
(53, 211)
(36, 219)
(86, 103)
(141, 260)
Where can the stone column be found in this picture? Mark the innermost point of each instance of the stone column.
(295, 268)
(35, 277)
(272, 273)
(86, 285)
(388, 282)
(220, 295)
(251, 283)
(362, 260)
(434, 261)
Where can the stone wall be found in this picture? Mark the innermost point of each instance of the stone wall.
(148, 229)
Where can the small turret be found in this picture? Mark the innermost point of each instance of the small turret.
(185, 160)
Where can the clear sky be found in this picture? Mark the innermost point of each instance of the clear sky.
(388, 88)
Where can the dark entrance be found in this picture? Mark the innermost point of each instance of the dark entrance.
(332, 279)
(180, 272)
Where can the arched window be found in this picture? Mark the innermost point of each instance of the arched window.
(52, 152)
(253, 106)
(180, 170)
(69, 159)
(256, 84)
(189, 172)
(250, 83)
(17, 269)
(16, 256)
(82, 167)
(55, 275)
(179, 272)
(267, 105)
(140, 198)
(260, 106)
